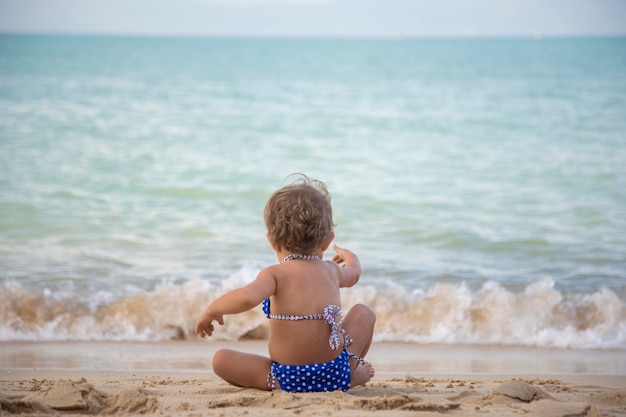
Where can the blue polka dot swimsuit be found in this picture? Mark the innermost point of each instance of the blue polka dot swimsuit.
(319, 377)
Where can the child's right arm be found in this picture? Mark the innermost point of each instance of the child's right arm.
(236, 301)
(351, 271)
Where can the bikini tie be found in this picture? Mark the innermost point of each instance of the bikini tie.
(332, 316)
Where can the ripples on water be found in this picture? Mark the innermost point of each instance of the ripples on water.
(132, 164)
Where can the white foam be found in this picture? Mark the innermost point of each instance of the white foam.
(540, 315)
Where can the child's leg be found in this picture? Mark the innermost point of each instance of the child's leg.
(242, 369)
(359, 325)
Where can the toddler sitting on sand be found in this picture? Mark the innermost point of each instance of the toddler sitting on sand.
(311, 346)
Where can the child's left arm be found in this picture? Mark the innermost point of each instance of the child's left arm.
(236, 301)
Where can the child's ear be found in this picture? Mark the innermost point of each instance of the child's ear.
(330, 240)
(269, 239)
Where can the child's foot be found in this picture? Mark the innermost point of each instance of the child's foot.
(362, 374)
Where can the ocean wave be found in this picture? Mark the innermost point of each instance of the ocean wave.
(447, 313)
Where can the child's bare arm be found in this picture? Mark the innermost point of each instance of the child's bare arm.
(236, 301)
(351, 271)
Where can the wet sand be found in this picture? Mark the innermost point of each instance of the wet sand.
(175, 378)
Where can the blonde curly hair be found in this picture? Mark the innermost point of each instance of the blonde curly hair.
(299, 216)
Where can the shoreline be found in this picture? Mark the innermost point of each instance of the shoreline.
(389, 358)
(175, 378)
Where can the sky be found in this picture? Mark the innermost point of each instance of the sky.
(326, 18)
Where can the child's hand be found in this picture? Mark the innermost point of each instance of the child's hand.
(342, 255)
(338, 259)
(204, 325)
(351, 270)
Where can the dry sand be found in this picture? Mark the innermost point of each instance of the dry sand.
(174, 378)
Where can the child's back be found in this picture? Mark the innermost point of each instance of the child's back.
(303, 288)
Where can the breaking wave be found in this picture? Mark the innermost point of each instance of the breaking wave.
(539, 315)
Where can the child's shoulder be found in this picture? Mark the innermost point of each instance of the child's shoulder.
(268, 273)
(270, 269)
(333, 265)
(334, 268)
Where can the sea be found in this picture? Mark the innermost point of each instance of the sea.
(481, 182)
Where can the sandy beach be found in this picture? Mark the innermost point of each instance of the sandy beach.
(175, 378)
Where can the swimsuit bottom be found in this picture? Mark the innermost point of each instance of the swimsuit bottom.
(329, 376)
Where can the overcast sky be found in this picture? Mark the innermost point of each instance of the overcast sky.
(388, 18)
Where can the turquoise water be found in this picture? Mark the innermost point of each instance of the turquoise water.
(134, 172)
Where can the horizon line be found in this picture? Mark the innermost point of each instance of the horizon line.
(287, 36)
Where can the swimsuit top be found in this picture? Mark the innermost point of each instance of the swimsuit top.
(331, 315)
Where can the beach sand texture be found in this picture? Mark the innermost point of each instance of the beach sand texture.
(117, 379)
